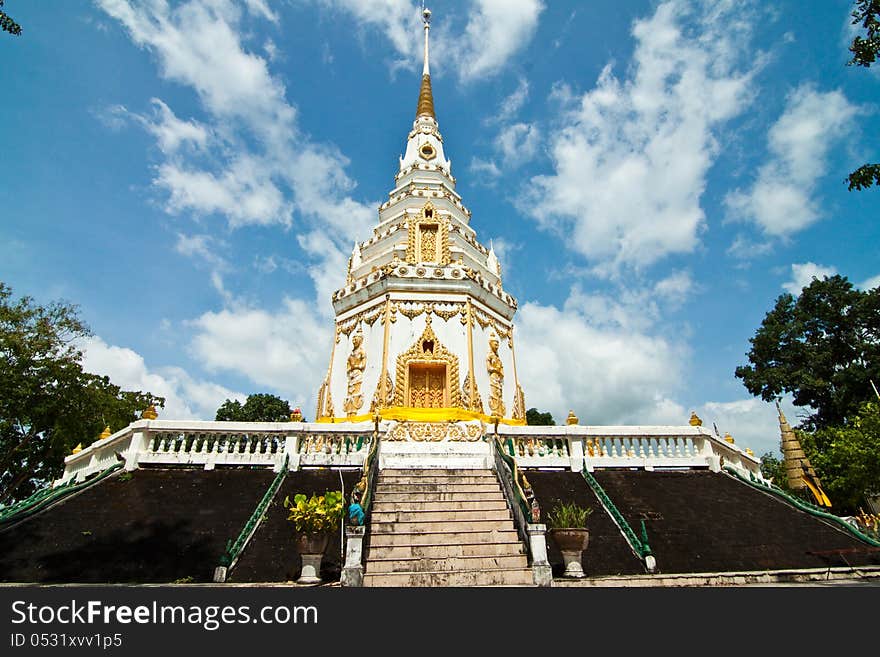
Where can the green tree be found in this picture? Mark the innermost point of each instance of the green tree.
(773, 468)
(48, 403)
(6, 23)
(256, 408)
(822, 347)
(535, 418)
(864, 50)
(847, 458)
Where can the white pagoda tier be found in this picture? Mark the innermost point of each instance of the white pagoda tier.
(424, 328)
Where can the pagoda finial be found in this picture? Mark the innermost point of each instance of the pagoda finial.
(426, 97)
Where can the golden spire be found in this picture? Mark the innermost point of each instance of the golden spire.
(105, 433)
(798, 470)
(572, 418)
(426, 98)
(150, 413)
(695, 420)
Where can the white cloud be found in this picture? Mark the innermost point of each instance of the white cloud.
(170, 131)
(185, 397)
(781, 200)
(484, 169)
(802, 274)
(870, 284)
(751, 422)
(631, 157)
(496, 30)
(518, 143)
(512, 104)
(608, 373)
(260, 169)
(287, 350)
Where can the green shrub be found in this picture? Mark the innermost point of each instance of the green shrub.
(564, 515)
(317, 513)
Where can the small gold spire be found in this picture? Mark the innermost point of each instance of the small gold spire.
(728, 437)
(572, 418)
(150, 413)
(105, 433)
(77, 449)
(297, 415)
(695, 420)
(426, 99)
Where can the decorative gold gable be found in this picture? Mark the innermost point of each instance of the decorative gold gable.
(428, 237)
(427, 350)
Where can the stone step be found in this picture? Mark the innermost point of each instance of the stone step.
(445, 564)
(428, 487)
(442, 537)
(443, 480)
(433, 472)
(448, 515)
(436, 496)
(437, 526)
(447, 551)
(461, 505)
(500, 577)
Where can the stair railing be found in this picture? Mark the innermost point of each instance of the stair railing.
(235, 548)
(358, 518)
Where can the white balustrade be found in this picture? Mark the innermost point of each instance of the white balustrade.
(647, 447)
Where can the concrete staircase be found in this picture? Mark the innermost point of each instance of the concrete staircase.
(434, 527)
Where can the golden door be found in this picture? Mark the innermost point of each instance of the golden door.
(427, 385)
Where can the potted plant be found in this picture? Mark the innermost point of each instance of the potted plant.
(567, 523)
(315, 518)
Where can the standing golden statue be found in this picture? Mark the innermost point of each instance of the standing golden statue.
(357, 362)
(496, 378)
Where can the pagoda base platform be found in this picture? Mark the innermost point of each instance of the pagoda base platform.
(445, 455)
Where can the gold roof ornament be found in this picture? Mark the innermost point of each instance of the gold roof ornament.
(77, 449)
(728, 438)
(798, 470)
(296, 415)
(695, 420)
(572, 418)
(749, 452)
(150, 413)
(105, 433)
(426, 97)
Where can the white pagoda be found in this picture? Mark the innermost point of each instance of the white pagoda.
(424, 328)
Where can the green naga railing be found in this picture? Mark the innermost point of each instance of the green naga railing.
(362, 496)
(49, 495)
(803, 505)
(235, 548)
(639, 545)
(507, 457)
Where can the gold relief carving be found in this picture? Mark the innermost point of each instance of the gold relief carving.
(435, 432)
(519, 404)
(475, 404)
(496, 378)
(428, 237)
(438, 272)
(378, 402)
(370, 318)
(482, 320)
(357, 361)
(412, 312)
(321, 391)
(446, 315)
(426, 351)
(329, 411)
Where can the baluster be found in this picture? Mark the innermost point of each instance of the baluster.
(641, 451)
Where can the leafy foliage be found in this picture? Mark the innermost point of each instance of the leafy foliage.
(48, 404)
(847, 458)
(773, 468)
(256, 408)
(535, 418)
(864, 50)
(6, 22)
(315, 514)
(822, 347)
(565, 515)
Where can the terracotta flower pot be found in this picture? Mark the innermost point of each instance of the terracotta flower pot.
(571, 541)
(311, 548)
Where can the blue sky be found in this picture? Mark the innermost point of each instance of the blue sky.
(652, 175)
